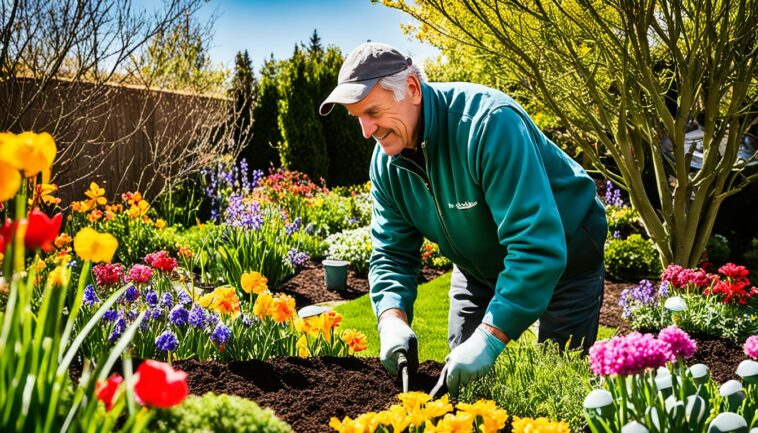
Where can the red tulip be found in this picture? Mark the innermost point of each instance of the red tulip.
(41, 230)
(159, 385)
(105, 390)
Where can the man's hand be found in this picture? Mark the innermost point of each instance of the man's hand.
(472, 359)
(395, 336)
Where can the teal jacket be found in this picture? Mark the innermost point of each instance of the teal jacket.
(498, 197)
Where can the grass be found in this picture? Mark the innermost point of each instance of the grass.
(429, 323)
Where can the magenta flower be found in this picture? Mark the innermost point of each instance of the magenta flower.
(108, 274)
(628, 355)
(140, 274)
(751, 347)
(681, 344)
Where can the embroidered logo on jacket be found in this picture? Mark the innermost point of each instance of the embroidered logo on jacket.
(462, 206)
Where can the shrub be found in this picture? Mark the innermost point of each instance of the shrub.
(536, 380)
(431, 256)
(751, 257)
(353, 246)
(717, 250)
(622, 220)
(631, 259)
(217, 413)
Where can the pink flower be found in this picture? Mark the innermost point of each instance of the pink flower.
(751, 347)
(108, 274)
(680, 278)
(681, 343)
(628, 355)
(140, 274)
(160, 260)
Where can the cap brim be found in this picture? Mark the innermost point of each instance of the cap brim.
(347, 93)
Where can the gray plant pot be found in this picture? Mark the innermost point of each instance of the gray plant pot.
(335, 274)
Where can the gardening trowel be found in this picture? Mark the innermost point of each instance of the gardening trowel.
(402, 369)
(441, 387)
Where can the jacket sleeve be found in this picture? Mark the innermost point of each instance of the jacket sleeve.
(517, 190)
(396, 256)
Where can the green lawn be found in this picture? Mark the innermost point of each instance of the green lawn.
(429, 323)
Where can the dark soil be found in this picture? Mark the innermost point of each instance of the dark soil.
(307, 392)
(308, 286)
(722, 356)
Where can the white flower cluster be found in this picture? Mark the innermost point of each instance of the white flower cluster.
(353, 246)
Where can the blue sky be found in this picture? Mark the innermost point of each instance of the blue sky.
(275, 26)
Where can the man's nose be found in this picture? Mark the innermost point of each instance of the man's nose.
(367, 126)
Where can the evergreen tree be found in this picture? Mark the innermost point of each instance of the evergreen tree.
(262, 151)
(315, 49)
(243, 92)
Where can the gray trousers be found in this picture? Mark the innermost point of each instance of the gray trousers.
(574, 310)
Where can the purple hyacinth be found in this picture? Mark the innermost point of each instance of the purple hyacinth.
(242, 213)
(294, 227)
(257, 177)
(616, 234)
(156, 313)
(110, 315)
(296, 258)
(131, 293)
(642, 295)
(131, 315)
(167, 300)
(118, 329)
(663, 290)
(197, 317)
(212, 320)
(612, 195)
(221, 334)
(151, 297)
(179, 316)
(184, 298)
(247, 321)
(167, 342)
(90, 297)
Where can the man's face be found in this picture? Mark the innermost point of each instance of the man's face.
(392, 123)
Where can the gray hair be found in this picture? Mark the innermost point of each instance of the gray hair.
(396, 83)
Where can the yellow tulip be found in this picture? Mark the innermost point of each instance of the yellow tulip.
(10, 181)
(93, 246)
(29, 152)
(263, 304)
(413, 400)
(437, 408)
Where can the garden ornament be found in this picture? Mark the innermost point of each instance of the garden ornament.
(728, 422)
(312, 310)
(748, 371)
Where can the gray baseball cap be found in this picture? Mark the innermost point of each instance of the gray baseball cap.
(363, 68)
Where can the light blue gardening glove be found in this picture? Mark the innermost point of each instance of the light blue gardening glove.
(471, 360)
(395, 337)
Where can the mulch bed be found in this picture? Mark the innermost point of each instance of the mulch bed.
(307, 392)
(308, 286)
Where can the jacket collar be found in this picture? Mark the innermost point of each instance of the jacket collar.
(429, 103)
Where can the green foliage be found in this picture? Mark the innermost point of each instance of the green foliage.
(353, 246)
(751, 258)
(217, 413)
(708, 316)
(202, 240)
(536, 380)
(622, 219)
(631, 259)
(717, 250)
(261, 151)
(181, 202)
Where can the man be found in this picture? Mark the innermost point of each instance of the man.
(465, 166)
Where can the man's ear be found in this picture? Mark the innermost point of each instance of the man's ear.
(414, 86)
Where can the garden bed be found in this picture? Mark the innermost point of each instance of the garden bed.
(307, 392)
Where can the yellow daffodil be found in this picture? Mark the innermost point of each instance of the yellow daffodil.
(10, 181)
(462, 422)
(58, 277)
(539, 425)
(302, 347)
(94, 246)
(44, 193)
(96, 196)
(413, 400)
(29, 152)
(282, 308)
(398, 418)
(355, 340)
(437, 408)
(262, 305)
(493, 417)
(254, 282)
(138, 209)
(159, 223)
(223, 300)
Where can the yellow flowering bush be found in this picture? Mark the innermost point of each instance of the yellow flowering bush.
(539, 425)
(418, 413)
